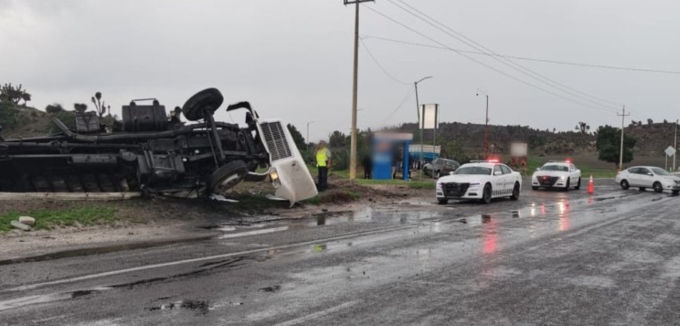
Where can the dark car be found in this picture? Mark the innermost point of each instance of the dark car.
(440, 167)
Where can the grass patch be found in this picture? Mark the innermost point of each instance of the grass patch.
(47, 219)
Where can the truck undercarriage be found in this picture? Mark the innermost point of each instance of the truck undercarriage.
(147, 152)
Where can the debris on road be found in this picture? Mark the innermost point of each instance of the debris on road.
(30, 221)
(20, 226)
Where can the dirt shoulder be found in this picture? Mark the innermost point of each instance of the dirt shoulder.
(80, 225)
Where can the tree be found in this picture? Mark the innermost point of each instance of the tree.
(583, 127)
(297, 137)
(609, 145)
(650, 121)
(337, 139)
(80, 107)
(9, 93)
(54, 108)
(99, 105)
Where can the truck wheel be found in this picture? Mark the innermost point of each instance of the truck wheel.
(515, 192)
(206, 100)
(226, 177)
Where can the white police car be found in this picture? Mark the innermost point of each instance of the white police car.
(563, 174)
(482, 180)
(645, 177)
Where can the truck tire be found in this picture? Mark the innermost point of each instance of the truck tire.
(226, 177)
(207, 100)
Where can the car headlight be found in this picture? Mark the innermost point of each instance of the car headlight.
(475, 184)
(563, 178)
(274, 176)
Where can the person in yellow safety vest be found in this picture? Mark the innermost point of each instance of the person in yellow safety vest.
(323, 163)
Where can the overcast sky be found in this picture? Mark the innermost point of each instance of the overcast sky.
(293, 59)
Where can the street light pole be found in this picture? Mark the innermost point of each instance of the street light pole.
(486, 125)
(420, 129)
(355, 86)
(308, 123)
(676, 146)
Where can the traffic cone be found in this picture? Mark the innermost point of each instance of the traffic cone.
(591, 186)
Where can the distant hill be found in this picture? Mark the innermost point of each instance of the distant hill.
(652, 139)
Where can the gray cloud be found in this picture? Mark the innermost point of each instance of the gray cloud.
(292, 59)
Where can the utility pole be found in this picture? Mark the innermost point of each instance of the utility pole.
(355, 86)
(676, 146)
(486, 125)
(308, 123)
(420, 129)
(623, 117)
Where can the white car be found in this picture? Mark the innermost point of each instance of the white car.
(562, 175)
(482, 180)
(645, 177)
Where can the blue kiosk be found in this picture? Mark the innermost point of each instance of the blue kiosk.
(387, 148)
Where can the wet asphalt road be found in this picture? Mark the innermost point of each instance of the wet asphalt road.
(551, 258)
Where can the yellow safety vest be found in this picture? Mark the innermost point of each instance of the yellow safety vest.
(322, 157)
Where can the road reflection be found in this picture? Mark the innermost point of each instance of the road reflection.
(489, 235)
(563, 209)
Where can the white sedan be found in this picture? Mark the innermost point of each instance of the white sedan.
(482, 180)
(562, 175)
(645, 177)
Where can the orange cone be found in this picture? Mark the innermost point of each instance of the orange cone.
(591, 186)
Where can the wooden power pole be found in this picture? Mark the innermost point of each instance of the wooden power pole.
(355, 86)
(623, 126)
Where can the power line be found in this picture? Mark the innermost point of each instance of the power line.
(488, 66)
(380, 66)
(567, 63)
(519, 68)
(408, 95)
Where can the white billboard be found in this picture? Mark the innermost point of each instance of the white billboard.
(429, 116)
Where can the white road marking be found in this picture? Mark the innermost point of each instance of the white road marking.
(318, 314)
(255, 232)
(202, 259)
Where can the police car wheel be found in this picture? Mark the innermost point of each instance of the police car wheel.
(515, 192)
(443, 201)
(566, 188)
(534, 188)
(486, 195)
(578, 185)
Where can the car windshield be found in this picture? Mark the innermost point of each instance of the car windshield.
(555, 168)
(660, 171)
(474, 170)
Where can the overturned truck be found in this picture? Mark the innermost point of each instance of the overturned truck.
(152, 154)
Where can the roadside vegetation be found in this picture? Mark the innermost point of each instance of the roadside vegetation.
(87, 215)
